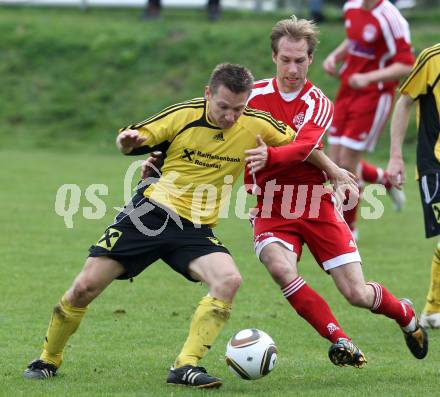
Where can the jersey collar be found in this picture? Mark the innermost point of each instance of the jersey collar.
(300, 93)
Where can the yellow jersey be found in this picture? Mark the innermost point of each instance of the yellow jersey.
(201, 158)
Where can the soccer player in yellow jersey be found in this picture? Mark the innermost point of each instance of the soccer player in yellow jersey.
(205, 141)
(422, 86)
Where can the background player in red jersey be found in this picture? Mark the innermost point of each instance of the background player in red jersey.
(376, 54)
(293, 208)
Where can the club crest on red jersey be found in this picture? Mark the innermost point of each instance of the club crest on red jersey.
(369, 33)
(298, 120)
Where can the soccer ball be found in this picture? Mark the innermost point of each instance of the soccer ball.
(251, 354)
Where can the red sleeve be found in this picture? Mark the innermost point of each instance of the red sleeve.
(317, 113)
(318, 118)
(297, 151)
(395, 30)
(309, 138)
(404, 52)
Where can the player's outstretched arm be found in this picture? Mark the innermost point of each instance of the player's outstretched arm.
(399, 125)
(128, 140)
(337, 55)
(392, 72)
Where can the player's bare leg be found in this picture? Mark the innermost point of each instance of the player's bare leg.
(349, 159)
(96, 275)
(334, 152)
(282, 266)
(351, 283)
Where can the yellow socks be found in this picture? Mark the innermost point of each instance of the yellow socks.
(207, 322)
(63, 323)
(433, 298)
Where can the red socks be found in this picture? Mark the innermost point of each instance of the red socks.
(372, 174)
(313, 308)
(387, 304)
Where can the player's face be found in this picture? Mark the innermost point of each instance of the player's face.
(224, 106)
(293, 63)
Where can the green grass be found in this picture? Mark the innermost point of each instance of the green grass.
(128, 354)
(71, 79)
(68, 81)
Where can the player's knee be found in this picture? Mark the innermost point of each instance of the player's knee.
(233, 281)
(83, 291)
(356, 297)
(281, 271)
(227, 285)
(282, 274)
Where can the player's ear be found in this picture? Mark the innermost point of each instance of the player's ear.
(274, 57)
(207, 92)
(310, 58)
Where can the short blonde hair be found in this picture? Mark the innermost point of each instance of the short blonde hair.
(295, 29)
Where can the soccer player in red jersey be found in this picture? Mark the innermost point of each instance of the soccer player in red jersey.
(293, 207)
(375, 54)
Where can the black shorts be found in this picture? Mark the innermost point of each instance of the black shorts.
(430, 193)
(145, 232)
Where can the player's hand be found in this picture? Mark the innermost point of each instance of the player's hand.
(359, 80)
(151, 165)
(344, 182)
(129, 139)
(396, 172)
(257, 158)
(343, 177)
(329, 65)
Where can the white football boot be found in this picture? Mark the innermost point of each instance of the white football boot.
(430, 320)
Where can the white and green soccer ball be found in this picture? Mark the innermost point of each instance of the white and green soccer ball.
(251, 354)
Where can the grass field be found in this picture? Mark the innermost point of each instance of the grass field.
(68, 81)
(73, 78)
(133, 332)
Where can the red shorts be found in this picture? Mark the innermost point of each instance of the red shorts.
(328, 237)
(359, 118)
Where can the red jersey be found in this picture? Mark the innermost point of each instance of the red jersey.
(376, 38)
(310, 113)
